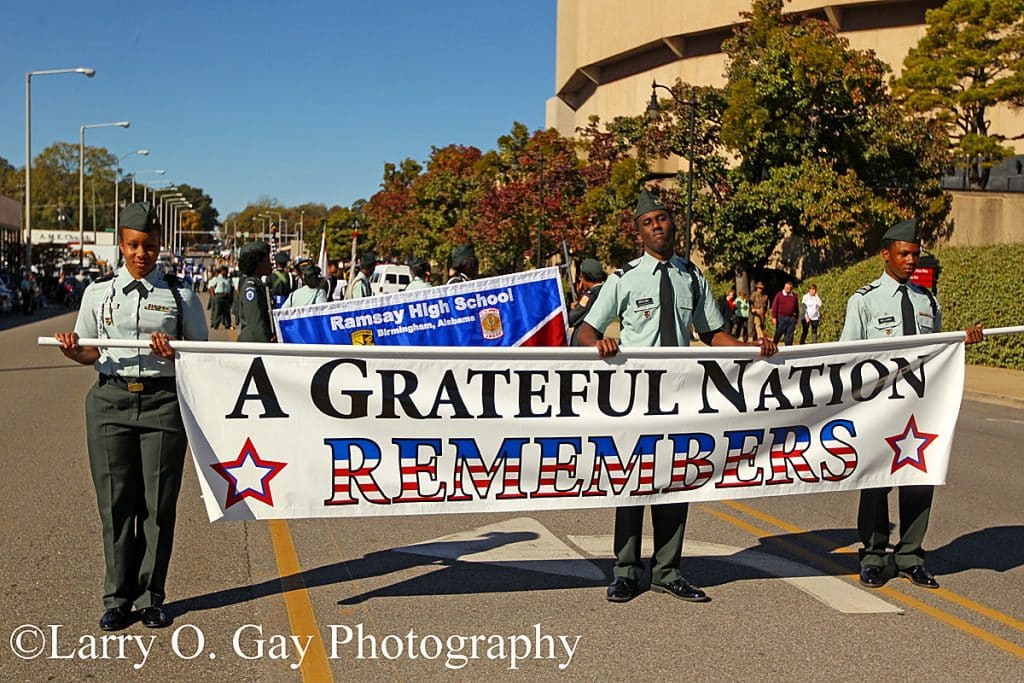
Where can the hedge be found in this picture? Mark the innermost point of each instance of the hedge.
(976, 284)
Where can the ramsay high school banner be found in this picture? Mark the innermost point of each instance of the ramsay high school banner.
(522, 309)
(318, 431)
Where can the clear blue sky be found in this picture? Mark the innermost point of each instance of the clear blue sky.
(299, 101)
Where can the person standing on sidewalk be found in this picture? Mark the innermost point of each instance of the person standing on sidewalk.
(892, 306)
(759, 304)
(811, 305)
(135, 433)
(785, 310)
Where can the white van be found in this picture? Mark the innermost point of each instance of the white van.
(389, 277)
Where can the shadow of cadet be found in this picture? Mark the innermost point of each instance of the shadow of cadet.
(999, 548)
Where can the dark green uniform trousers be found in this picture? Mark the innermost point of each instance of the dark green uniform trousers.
(136, 453)
(221, 311)
(669, 522)
(873, 525)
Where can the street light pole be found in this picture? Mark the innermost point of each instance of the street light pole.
(81, 185)
(302, 244)
(652, 108)
(117, 182)
(89, 73)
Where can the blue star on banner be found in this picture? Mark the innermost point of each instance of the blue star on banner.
(908, 447)
(248, 476)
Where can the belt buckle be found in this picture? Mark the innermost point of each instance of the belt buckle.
(135, 387)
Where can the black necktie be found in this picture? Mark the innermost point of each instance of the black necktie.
(136, 285)
(909, 324)
(666, 306)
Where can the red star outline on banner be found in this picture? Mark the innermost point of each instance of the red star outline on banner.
(902, 456)
(248, 454)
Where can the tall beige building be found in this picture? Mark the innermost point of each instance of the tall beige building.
(609, 51)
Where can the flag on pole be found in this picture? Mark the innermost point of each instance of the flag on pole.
(322, 261)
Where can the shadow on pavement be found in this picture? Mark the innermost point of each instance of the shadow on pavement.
(1000, 549)
(14, 319)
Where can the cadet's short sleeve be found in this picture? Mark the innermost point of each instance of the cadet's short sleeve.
(853, 327)
(707, 318)
(319, 296)
(194, 320)
(85, 325)
(606, 308)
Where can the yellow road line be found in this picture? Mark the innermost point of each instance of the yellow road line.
(934, 612)
(296, 599)
(943, 593)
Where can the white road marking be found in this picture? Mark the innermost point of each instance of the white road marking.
(999, 419)
(521, 543)
(834, 592)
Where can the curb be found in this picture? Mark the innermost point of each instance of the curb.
(995, 399)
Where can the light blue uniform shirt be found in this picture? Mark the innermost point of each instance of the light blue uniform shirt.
(875, 311)
(632, 295)
(108, 313)
(305, 296)
(220, 285)
(417, 283)
(360, 286)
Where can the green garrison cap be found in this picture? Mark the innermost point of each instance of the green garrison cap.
(281, 257)
(647, 203)
(592, 270)
(905, 231)
(258, 247)
(310, 270)
(462, 253)
(417, 263)
(139, 216)
(368, 259)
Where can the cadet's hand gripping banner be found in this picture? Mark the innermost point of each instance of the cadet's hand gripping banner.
(523, 309)
(282, 431)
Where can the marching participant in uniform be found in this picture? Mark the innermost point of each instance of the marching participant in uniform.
(420, 275)
(254, 313)
(360, 287)
(592, 277)
(311, 292)
(465, 265)
(892, 306)
(135, 434)
(657, 297)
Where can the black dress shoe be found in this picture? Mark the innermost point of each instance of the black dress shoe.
(622, 590)
(920, 576)
(154, 617)
(115, 619)
(682, 589)
(871, 576)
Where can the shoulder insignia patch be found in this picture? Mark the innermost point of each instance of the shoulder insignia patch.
(866, 288)
(105, 278)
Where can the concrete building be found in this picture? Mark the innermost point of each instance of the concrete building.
(609, 51)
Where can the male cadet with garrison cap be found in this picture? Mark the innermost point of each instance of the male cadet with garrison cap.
(254, 314)
(893, 306)
(657, 298)
(280, 282)
(135, 434)
(420, 275)
(592, 277)
(360, 287)
(464, 263)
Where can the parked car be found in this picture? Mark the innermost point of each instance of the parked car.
(389, 277)
(7, 299)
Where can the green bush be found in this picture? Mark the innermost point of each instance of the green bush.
(976, 284)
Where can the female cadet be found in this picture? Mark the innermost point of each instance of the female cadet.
(135, 434)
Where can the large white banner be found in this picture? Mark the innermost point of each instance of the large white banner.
(293, 431)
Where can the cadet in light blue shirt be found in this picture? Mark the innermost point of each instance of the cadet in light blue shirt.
(420, 275)
(135, 433)
(893, 306)
(657, 298)
(311, 291)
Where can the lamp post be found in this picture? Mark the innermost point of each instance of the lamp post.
(175, 206)
(262, 220)
(653, 108)
(117, 182)
(89, 73)
(157, 171)
(164, 233)
(81, 184)
(302, 244)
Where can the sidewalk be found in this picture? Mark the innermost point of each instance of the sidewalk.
(994, 385)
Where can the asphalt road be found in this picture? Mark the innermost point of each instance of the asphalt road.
(441, 597)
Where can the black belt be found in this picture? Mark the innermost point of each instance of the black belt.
(139, 385)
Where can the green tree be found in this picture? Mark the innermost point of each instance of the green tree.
(12, 180)
(55, 187)
(970, 59)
